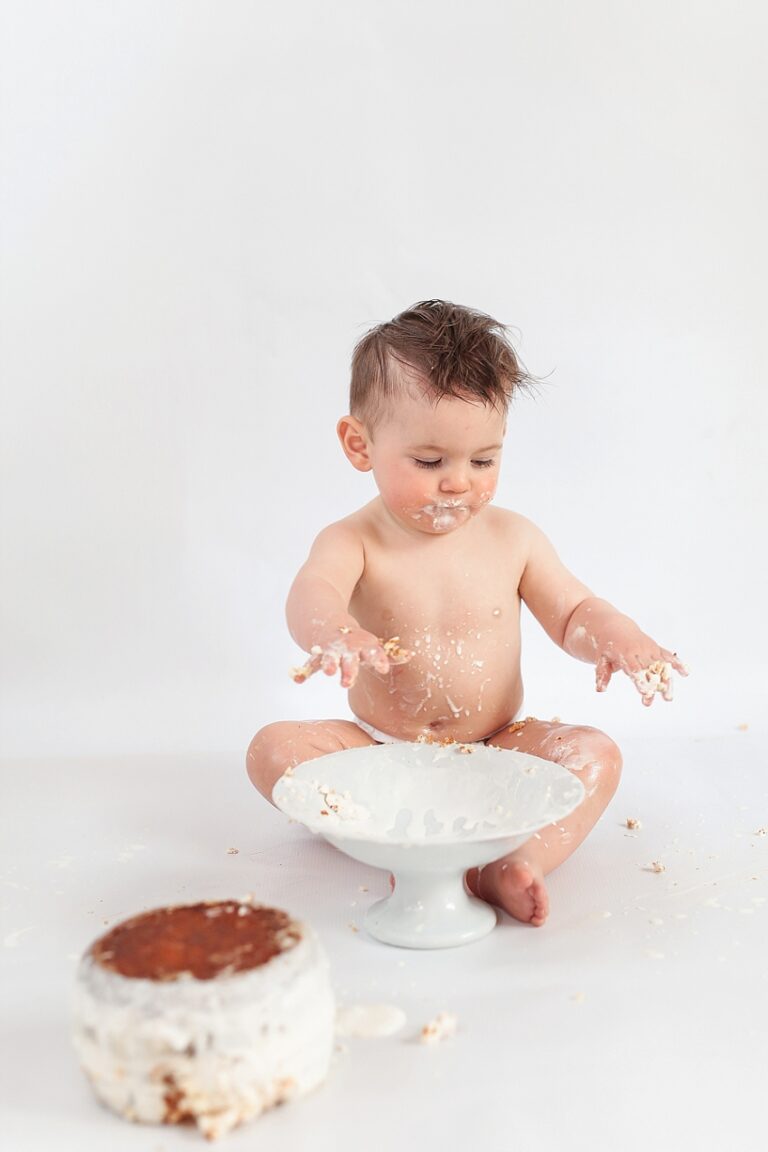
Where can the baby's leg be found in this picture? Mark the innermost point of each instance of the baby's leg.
(516, 882)
(288, 743)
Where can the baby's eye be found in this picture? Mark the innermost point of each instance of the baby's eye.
(483, 463)
(427, 463)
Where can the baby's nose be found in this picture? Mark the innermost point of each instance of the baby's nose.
(456, 480)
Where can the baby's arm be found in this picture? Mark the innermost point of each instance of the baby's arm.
(318, 614)
(592, 629)
(599, 634)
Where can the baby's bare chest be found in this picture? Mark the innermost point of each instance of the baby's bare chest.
(454, 594)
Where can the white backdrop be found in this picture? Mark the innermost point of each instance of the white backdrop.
(205, 204)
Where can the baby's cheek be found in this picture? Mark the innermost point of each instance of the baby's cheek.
(413, 496)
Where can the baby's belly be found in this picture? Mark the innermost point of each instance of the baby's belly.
(462, 699)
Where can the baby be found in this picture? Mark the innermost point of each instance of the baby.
(415, 598)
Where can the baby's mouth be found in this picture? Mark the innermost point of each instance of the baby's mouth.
(444, 506)
(444, 515)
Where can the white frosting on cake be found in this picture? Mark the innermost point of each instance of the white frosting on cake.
(220, 1051)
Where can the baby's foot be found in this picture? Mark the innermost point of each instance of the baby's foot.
(514, 885)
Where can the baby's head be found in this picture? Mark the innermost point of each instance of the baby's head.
(428, 403)
(436, 349)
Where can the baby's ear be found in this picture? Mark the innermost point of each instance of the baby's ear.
(354, 441)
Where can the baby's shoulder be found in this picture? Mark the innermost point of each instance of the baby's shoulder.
(350, 531)
(512, 526)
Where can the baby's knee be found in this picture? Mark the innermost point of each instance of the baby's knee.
(599, 759)
(269, 754)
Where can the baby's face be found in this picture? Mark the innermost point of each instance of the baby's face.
(437, 465)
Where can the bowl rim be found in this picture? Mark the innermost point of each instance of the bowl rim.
(350, 831)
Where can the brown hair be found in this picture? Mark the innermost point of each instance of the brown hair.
(455, 351)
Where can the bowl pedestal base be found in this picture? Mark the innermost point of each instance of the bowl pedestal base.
(429, 911)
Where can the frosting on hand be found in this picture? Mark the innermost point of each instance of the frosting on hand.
(650, 678)
(352, 650)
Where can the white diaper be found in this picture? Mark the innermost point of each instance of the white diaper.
(377, 735)
(384, 737)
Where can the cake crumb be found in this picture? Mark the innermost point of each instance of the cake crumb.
(657, 677)
(303, 672)
(632, 823)
(742, 727)
(518, 725)
(655, 866)
(761, 831)
(232, 851)
(353, 927)
(439, 1029)
(395, 653)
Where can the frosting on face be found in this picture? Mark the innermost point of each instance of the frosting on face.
(436, 464)
(443, 516)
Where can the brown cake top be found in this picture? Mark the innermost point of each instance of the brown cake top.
(205, 940)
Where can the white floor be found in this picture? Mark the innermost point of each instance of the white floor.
(636, 1018)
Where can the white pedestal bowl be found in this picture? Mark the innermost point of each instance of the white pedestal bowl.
(427, 813)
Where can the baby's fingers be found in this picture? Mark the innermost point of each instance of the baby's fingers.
(673, 659)
(350, 665)
(603, 673)
(375, 657)
(381, 664)
(329, 662)
(299, 675)
(657, 677)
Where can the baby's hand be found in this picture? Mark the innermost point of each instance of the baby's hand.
(353, 649)
(648, 667)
